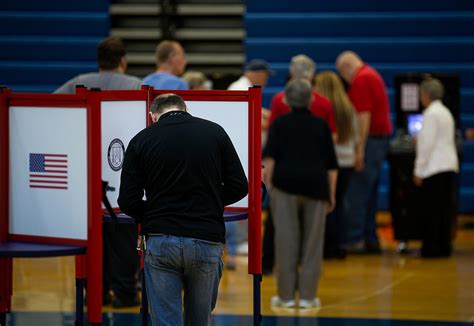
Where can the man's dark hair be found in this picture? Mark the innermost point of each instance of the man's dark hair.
(109, 53)
(167, 101)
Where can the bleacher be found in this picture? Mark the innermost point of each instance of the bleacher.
(393, 36)
(44, 43)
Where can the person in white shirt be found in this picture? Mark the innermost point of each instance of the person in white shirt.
(436, 167)
(256, 72)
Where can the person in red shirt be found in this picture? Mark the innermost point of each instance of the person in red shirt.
(368, 94)
(303, 67)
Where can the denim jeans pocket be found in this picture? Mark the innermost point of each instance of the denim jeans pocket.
(156, 252)
(208, 255)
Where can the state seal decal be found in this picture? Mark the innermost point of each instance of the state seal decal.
(115, 154)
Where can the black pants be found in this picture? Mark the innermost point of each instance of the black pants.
(439, 195)
(334, 237)
(121, 261)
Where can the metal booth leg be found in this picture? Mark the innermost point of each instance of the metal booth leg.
(257, 316)
(79, 302)
(3, 319)
(80, 283)
(6, 288)
(144, 306)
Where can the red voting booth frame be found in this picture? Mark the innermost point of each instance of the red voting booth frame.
(90, 265)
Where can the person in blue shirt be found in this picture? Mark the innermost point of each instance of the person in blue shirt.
(171, 63)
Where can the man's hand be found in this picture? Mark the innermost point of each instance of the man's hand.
(332, 180)
(364, 127)
(417, 181)
(331, 204)
(267, 171)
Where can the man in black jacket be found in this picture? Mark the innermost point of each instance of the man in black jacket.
(188, 170)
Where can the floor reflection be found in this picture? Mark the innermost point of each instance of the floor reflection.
(126, 319)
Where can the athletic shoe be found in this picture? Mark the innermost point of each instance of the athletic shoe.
(309, 304)
(277, 302)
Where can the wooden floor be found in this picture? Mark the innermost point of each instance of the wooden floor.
(387, 286)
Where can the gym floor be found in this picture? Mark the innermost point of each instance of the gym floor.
(389, 289)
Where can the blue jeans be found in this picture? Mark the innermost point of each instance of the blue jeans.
(335, 235)
(173, 264)
(361, 198)
(231, 238)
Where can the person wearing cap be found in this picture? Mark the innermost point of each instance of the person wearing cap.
(303, 67)
(368, 94)
(301, 173)
(256, 72)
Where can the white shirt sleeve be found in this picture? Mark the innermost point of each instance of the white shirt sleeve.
(425, 144)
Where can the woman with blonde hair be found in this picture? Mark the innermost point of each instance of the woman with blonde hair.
(197, 80)
(328, 83)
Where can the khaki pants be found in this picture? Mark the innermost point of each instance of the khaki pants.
(299, 237)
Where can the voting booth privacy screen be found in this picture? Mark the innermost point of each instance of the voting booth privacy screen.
(49, 146)
(120, 120)
(48, 176)
(233, 117)
(239, 113)
(50, 170)
(231, 113)
(56, 150)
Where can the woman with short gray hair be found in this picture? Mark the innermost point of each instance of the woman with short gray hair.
(436, 166)
(301, 170)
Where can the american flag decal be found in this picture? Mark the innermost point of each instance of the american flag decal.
(48, 171)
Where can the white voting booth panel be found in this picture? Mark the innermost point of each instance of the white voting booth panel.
(121, 121)
(48, 172)
(233, 117)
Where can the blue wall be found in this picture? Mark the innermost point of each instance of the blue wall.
(45, 43)
(393, 36)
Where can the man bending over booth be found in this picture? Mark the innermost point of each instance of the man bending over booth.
(189, 170)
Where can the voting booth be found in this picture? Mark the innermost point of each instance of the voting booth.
(55, 151)
(405, 197)
(50, 181)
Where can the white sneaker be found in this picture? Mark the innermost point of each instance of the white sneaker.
(309, 304)
(277, 302)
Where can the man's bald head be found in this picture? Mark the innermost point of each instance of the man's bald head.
(170, 57)
(347, 63)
